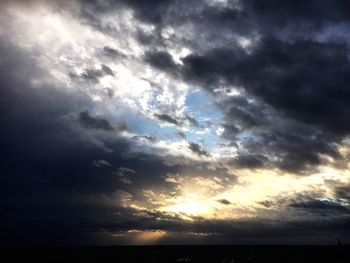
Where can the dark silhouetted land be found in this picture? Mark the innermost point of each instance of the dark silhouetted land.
(144, 254)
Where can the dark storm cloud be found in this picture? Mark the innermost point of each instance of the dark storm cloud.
(124, 174)
(94, 74)
(343, 191)
(151, 11)
(47, 164)
(297, 79)
(148, 11)
(98, 123)
(301, 152)
(146, 137)
(40, 208)
(284, 74)
(276, 13)
(46, 190)
(263, 135)
(150, 39)
(301, 78)
(298, 84)
(224, 201)
(266, 203)
(167, 118)
(320, 206)
(197, 149)
(179, 121)
(243, 117)
(161, 60)
(110, 93)
(100, 163)
(258, 229)
(44, 159)
(181, 134)
(89, 122)
(193, 121)
(113, 53)
(217, 24)
(230, 132)
(249, 161)
(83, 223)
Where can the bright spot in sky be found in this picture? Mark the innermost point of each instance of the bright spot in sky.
(140, 237)
(190, 205)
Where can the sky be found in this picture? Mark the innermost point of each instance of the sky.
(155, 122)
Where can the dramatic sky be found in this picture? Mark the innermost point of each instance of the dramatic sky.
(174, 122)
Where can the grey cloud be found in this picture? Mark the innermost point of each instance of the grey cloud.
(249, 161)
(110, 93)
(94, 75)
(148, 39)
(81, 222)
(272, 13)
(124, 174)
(179, 121)
(126, 170)
(341, 189)
(101, 163)
(273, 95)
(150, 11)
(196, 148)
(242, 117)
(146, 137)
(90, 122)
(181, 134)
(230, 131)
(266, 138)
(39, 144)
(297, 82)
(161, 60)
(320, 205)
(113, 53)
(266, 203)
(192, 120)
(167, 118)
(224, 201)
(283, 75)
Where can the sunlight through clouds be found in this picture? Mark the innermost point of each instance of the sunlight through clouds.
(174, 120)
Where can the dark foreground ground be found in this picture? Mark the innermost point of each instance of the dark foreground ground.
(184, 254)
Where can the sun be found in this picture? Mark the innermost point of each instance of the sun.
(190, 205)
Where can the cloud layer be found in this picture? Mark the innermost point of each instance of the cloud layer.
(142, 122)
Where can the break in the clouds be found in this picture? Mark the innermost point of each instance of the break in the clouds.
(174, 122)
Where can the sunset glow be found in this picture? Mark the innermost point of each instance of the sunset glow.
(174, 122)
